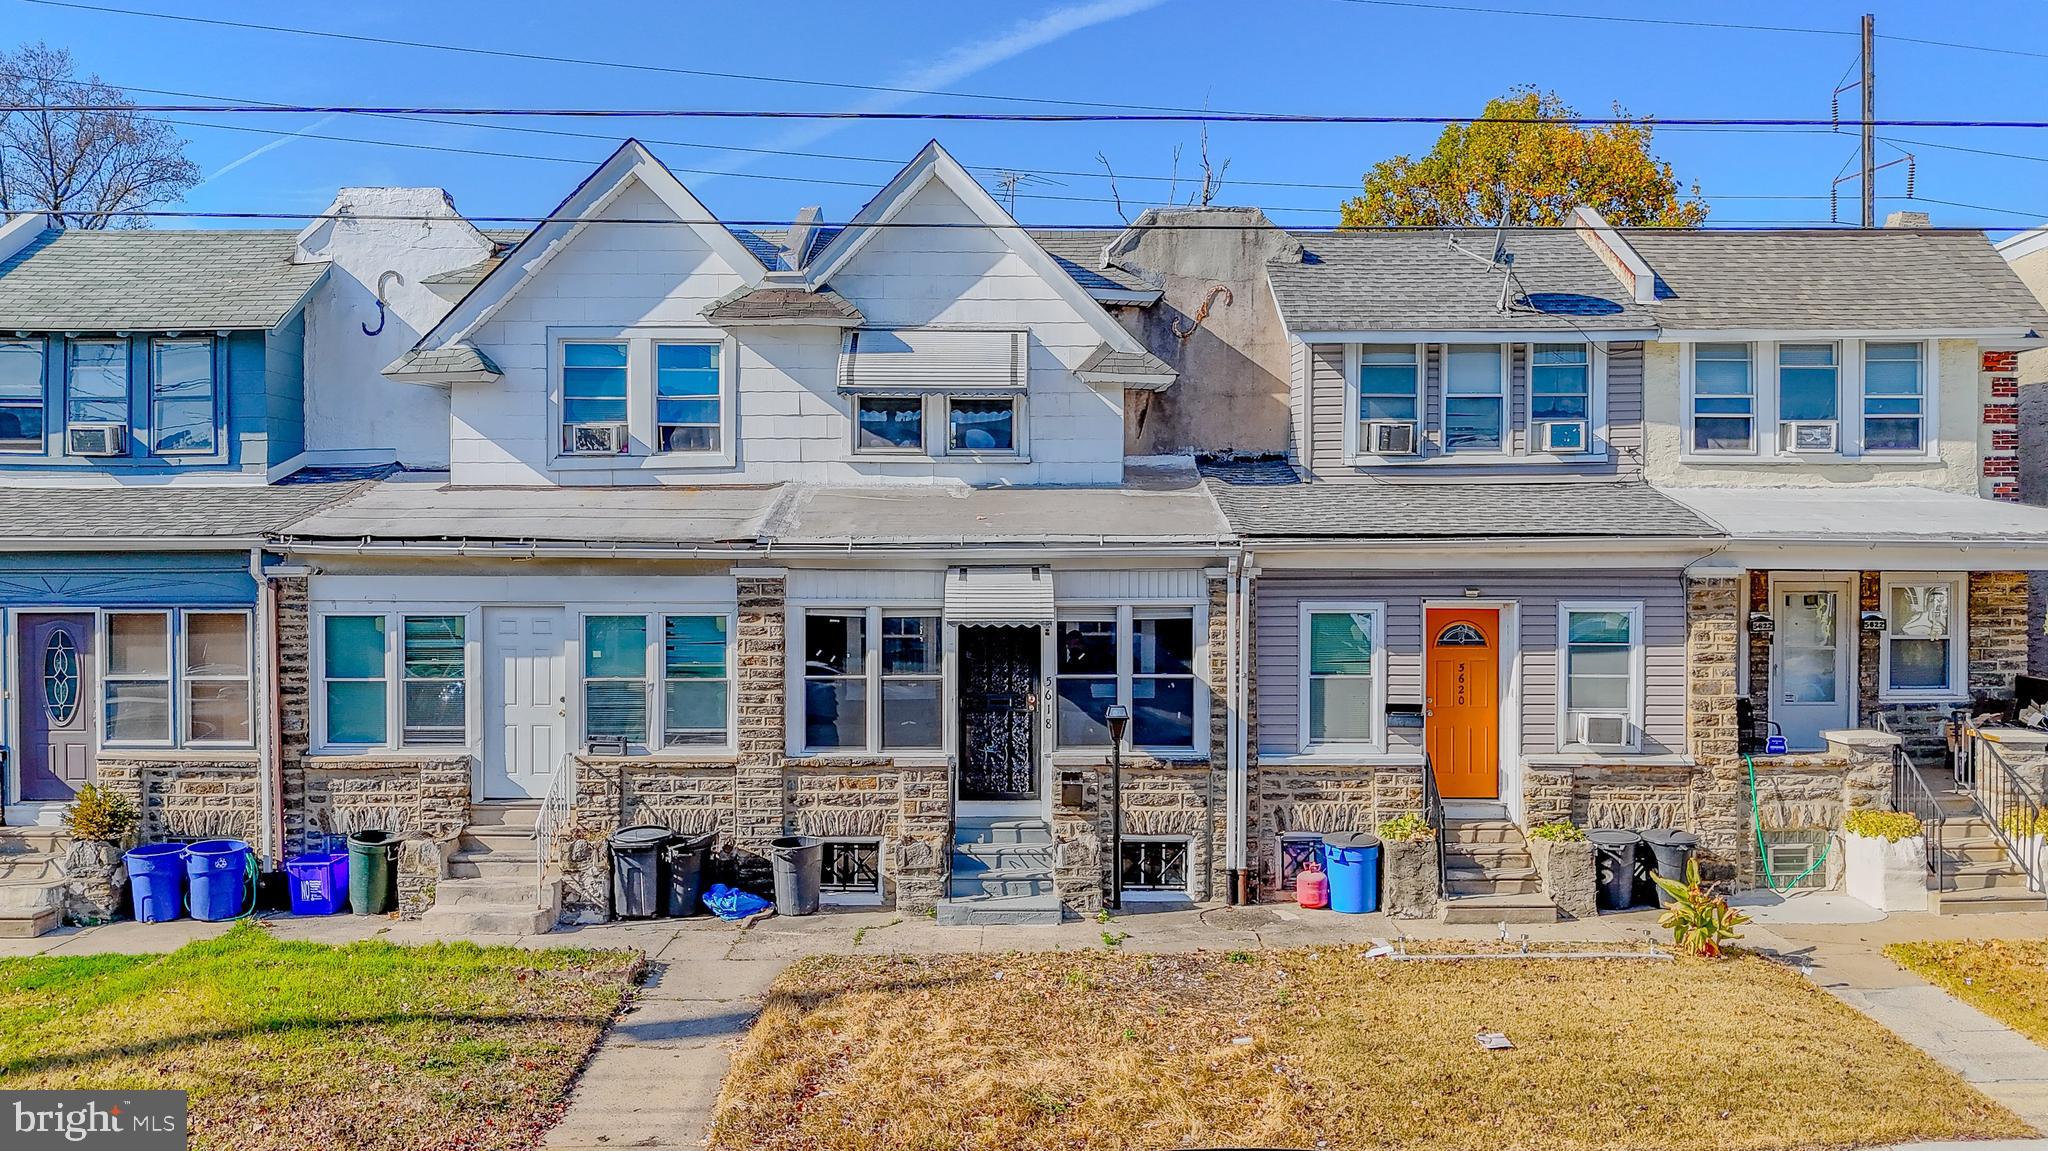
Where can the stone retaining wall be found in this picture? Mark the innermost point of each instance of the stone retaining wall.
(183, 798)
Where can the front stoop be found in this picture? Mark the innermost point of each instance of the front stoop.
(1489, 876)
(31, 881)
(490, 887)
(1981, 877)
(1002, 874)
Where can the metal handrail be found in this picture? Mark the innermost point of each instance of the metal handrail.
(2006, 800)
(1911, 794)
(554, 812)
(1433, 815)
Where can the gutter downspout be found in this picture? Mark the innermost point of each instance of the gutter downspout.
(1233, 830)
(1241, 735)
(269, 784)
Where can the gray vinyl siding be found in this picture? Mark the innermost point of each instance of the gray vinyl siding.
(1297, 400)
(1328, 410)
(1536, 594)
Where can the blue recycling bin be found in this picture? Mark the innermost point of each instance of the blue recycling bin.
(318, 881)
(222, 876)
(156, 880)
(1353, 864)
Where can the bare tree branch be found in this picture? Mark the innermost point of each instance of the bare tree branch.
(83, 167)
(1114, 195)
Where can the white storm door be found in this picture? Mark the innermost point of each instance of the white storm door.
(1812, 687)
(526, 701)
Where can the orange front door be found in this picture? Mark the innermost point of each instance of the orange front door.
(1461, 653)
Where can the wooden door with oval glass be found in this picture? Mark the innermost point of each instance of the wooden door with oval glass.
(53, 670)
(1461, 711)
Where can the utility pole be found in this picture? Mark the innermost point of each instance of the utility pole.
(1869, 94)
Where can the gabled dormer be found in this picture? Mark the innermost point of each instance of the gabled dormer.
(141, 353)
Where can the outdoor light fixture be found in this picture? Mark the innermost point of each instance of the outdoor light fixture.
(1119, 719)
(1471, 593)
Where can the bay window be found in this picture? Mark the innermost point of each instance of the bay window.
(1600, 675)
(1923, 640)
(182, 396)
(1343, 683)
(21, 395)
(1475, 398)
(96, 382)
(1723, 399)
(1894, 398)
(873, 680)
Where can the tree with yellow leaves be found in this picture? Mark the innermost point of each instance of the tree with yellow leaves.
(1524, 154)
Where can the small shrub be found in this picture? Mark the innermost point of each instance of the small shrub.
(1888, 825)
(1114, 938)
(2026, 822)
(1700, 921)
(99, 815)
(1407, 827)
(1558, 831)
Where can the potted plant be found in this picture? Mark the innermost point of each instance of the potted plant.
(99, 822)
(2028, 828)
(1700, 920)
(1564, 866)
(1408, 871)
(1884, 859)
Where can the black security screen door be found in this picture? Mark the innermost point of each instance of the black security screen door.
(998, 713)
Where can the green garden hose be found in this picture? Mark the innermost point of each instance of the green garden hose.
(1763, 854)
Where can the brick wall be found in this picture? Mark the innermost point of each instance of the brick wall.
(2001, 421)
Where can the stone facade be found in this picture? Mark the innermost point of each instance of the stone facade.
(757, 660)
(183, 797)
(1324, 801)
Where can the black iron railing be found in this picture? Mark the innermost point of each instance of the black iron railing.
(1433, 814)
(1911, 794)
(2013, 806)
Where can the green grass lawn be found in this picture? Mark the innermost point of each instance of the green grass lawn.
(2006, 979)
(302, 1045)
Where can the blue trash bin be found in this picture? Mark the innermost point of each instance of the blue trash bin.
(1353, 865)
(318, 882)
(156, 881)
(222, 877)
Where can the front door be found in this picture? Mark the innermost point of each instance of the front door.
(1461, 659)
(526, 701)
(54, 671)
(999, 714)
(1811, 685)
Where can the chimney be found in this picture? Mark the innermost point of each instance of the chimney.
(1908, 220)
(796, 244)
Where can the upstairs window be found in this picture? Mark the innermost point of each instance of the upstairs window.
(1723, 399)
(1475, 398)
(1389, 390)
(1809, 398)
(21, 395)
(1894, 398)
(686, 397)
(594, 397)
(96, 382)
(181, 396)
(1560, 394)
(981, 425)
(888, 424)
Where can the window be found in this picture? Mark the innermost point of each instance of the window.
(1602, 672)
(1475, 385)
(1163, 681)
(981, 425)
(1807, 383)
(1341, 680)
(835, 680)
(21, 395)
(216, 688)
(354, 670)
(912, 682)
(593, 390)
(1085, 680)
(1561, 384)
(695, 681)
(852, 871)
(1389, 379)
(181, 396)
(888, 424)
(1723, 399)
(435, 673)
(1297, 851)
(1922, 644)
(1894, 398)
(96, 382)
(1159, 865)
(138, 681)
(686, 397)
(615, 679)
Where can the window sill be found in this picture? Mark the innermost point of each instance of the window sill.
(984, 457)
(642, 461)
(1571, 755)
(1941, 697)
(1340, 757)
(163, 754)
(710, 757)
(1091, 757)
(1449, 459)
(391, 754)
(1755, 459)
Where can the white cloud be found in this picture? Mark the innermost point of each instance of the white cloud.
(261, 150)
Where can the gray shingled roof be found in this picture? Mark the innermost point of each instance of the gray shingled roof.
(459, 359)
(245, 512)
(153, 280)
(1079, 251)
(1415, 281)
(1883, 279)
(1131, 367)
(765, 304)
(1263, 499)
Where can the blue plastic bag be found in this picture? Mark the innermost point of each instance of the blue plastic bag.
(732, 903)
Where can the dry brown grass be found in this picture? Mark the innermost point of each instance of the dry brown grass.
(1125, 1051)
(2006, 979)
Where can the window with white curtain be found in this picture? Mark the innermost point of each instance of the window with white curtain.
(137, 687)
(216, 673)
(1923, 638)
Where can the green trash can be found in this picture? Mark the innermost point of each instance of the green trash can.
(371, 859)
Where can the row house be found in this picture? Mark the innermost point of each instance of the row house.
(505, 541)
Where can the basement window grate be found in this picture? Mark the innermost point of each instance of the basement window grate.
(1296, 853)
(852, 867)
(1155, 864)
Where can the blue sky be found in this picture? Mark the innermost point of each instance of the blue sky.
(1316, 56)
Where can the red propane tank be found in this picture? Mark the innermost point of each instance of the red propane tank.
(1312, 887)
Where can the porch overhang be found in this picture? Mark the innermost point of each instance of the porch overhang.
(1852, 528)
(999, 596)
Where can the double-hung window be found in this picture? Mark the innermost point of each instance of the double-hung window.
(96, 382)
(1085, 680)
(177, 678)
(594, 392)
(1342, 676)
(1809, 398)
(687, 397)
(1723, 399)
(888, 424)
(1600, 689)
(1561, 396)
(394, 680)
(1894, 398)
(356, 680)
(1144, 658)
(873, 680)
(691, 709)
(696, 682)
(1389, 391)
(435, 673)
(615, 680)
(1163, 680)
(21, 395)
(1475, 398)
(182, 396)
(215, 693)
(1923, 643)
(981, 425)
(912, 682)
(138, 681)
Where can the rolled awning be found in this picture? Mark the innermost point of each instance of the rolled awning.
(999, 596)
(931, 360)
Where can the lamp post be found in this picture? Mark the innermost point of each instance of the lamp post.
(1119, 718)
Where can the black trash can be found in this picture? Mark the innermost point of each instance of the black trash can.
(1672, 850)
(689, 865)
(1614, 863)
(636, 871)
(799, 862)
(372, 856)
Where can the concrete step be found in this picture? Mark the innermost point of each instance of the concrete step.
(2003, 875)
(46, 841)
(26, 923)
(1462, 831)
(1461, 882)
(1976, 849)
(491, 867)
(29, 869)
(971, 857)
(1987, 902)
(505, 813)
(1000, 884)
(497, 893)
(1487, 855)
(497, 841)
(1517, 908)
(983, 829)
(31, 895)
(474, 921)
(990, 911)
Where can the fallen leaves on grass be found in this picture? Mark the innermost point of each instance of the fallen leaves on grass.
(2006, 979)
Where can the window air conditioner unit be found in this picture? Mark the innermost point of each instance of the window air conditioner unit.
(1808, 437)
(597, 439)
(1603, 731)
(1561, 436)
(1391, 437)
(95, 440)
